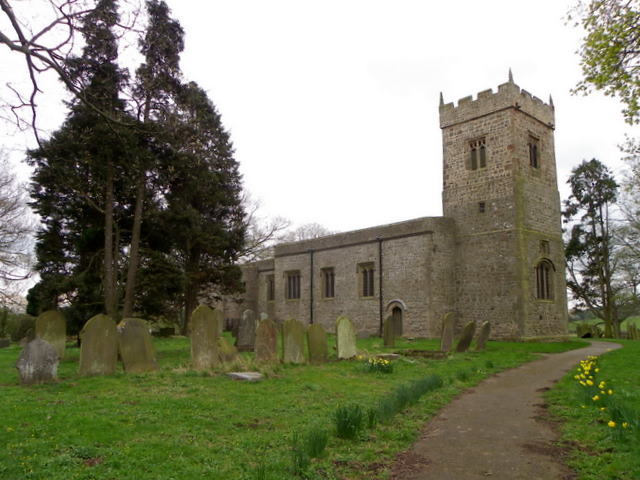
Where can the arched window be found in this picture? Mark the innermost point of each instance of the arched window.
(544, 280)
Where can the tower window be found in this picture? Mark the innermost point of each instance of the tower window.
(543, 271)
(477, 154)
(481, 207)
(366, 274)
(271, 289)
(534, 152)
(293, 285)
(328, 283)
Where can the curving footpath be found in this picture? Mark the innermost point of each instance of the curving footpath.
(495, 430)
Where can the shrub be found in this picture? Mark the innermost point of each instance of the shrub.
(349, 421)
(21, 326)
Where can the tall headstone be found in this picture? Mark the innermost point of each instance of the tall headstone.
(37, 363)
(483, 336)
(446, 340)
(245, 340)
(317, 342)
(266, 348)
(293, 341)
(389, 332)
(466, 337)
(51, 327)
(204, 338)
(135, 346)
(98, 346)
(345, 338)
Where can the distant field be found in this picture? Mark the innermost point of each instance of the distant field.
(180, 424)
(597, 321)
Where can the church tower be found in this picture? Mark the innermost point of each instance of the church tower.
(500, 187)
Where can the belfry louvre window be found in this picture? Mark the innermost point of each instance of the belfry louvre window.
(293, 285)
(543, 271)
(367, 273)
(477, 154)
(328, 283)
(534, 159)
(271, 288)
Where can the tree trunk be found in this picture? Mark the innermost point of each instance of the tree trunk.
(109, 274)
(191, 290)
(134, 252)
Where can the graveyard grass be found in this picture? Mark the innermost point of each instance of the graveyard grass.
(179, 424)
(594, 449)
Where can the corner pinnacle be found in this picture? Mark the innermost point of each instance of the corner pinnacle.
(550, 100)
(510, 76)
(441, 99)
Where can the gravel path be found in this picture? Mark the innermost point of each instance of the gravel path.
(496, 430)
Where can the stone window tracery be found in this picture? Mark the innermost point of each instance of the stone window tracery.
(534, 151)
(544, 278)
(293, 285)
(367, 282)
(477, 154)
(328, 283)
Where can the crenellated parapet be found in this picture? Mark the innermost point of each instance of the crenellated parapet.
(509, 95)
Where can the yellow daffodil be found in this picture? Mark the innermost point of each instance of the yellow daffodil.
(595, 398)
(611, 423)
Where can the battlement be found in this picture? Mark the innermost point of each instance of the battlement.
(509, 95)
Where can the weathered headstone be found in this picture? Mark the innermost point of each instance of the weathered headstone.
(292, 341)
(226, 351)
(99, 346)
(246, 337)
(5, 342)
(466, 337)
(389, 332)
(204, 338)
(483, 336)
(317, 342)
(51, 327)
(135, 346)
(37, 363)
(446, 339)
(266, 342)
(345, 338)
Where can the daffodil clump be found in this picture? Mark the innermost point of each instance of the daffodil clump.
(380, 365)
(599, 393)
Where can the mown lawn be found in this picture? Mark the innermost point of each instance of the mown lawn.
(179, 424)
(599, 450)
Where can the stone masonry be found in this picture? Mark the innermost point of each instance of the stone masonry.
(496, 255)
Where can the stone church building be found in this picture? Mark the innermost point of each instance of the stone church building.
(496, 254)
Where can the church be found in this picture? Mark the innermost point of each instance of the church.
(495, 255)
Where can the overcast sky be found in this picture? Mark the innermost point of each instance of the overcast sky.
(333, 105)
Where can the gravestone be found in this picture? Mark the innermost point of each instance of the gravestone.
(37, 363)
(446, 340)
(51, 327)
(226, 351)
(345, 338)
(466, 337)
(317, 342)
(266, 342)
(5, 342)
(389, 332)
(292, 341)
(483, 336)
(204, 338)
(246, 336)
(135, 346)
(98, 346)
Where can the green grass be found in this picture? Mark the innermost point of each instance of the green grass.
(598, 452)
(180, 424)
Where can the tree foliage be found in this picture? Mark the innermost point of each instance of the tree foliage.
(610, 51)
(590, 246)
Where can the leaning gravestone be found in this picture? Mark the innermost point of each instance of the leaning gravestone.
(446, 340)
(246, 337)
(204, 338)
(135, 346)
(389, 332)
(483, 336)
(266, 342)
(317, 342)
(345, 338)
(37, 363)
(292, 341)
(226, 351)
(467, 336)
(51, 327)
(99, 346)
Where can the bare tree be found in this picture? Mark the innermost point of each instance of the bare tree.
(262, 232)
(15, 233)
(306, 231)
